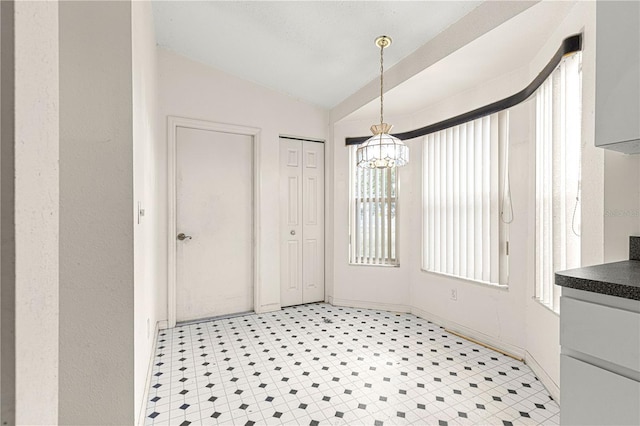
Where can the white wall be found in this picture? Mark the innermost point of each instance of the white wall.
(489, 313)
(95, 358)
(508, 318)
(620, 203)
(145, 192)
(365, 286)
(96, 221)
(7, 210)
(36, 213)
(190, 89)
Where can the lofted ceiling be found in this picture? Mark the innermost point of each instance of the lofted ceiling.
(505, 49)
(317, 51)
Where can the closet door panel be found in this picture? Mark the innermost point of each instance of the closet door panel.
(313, 222)
(290, 222)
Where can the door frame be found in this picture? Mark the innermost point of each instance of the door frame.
(173, 123)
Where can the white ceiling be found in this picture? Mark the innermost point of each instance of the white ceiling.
(505, 49)
(317, 51)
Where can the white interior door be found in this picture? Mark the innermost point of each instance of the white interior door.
(214, 207)
(301, 222)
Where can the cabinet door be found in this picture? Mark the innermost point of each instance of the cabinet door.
(618, 75)
(590, 395)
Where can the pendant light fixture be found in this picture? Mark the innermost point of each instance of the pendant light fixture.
(382, 150)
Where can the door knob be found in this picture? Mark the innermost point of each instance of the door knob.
(293, 232)
(183, 237)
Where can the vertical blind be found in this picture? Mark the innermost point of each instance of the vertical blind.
(463, 168)
(373, 215)
(558, 158)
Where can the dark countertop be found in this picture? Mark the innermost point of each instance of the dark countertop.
(634, 248)
(621, 279)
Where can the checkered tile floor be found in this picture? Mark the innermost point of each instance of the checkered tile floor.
(318, 364)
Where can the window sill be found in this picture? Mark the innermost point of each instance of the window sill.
(545, 306)
(503, 287)
(377, 265)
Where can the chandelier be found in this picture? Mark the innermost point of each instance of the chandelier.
(382, 150)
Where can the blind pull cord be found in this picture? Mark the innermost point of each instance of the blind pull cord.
(506, 190)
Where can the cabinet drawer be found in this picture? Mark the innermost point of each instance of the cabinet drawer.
(592, 396)
(603, 332)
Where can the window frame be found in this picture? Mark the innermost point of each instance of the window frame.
(545, 292)
(502, 187)
(392, 227)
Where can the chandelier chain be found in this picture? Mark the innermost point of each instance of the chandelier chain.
(381, 83)
(382, 150)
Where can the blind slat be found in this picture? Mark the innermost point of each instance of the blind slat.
(383, 220)
(370, 216)
(471, 216)
(354, 215)
(455, 225)
(477, 202)
(365, 221)
(486, 198)
(447, 193)
(378, 211)
(431, 198)
(462, 201)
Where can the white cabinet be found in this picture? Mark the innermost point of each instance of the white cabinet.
(600, 361)
(601, 331)
(594, 396)
(617, 124)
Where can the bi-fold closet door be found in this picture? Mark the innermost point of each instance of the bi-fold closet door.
(301, 221)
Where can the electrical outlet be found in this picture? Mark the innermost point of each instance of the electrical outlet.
(454, 294)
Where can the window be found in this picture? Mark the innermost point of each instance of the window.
(465, 180)
(558, 158)
(374, 206)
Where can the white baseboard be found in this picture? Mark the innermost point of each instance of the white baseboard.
(163, 324)
(269, 307)
(368, 305)
(547, 381)
(147, 382)
(474, 334)
(551, 386)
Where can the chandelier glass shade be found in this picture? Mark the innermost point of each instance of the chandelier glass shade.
(382, 150)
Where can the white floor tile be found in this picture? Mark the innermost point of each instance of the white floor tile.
(364, 367)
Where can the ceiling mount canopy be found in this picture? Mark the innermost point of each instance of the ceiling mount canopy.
(383, 41)
(382, 150)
